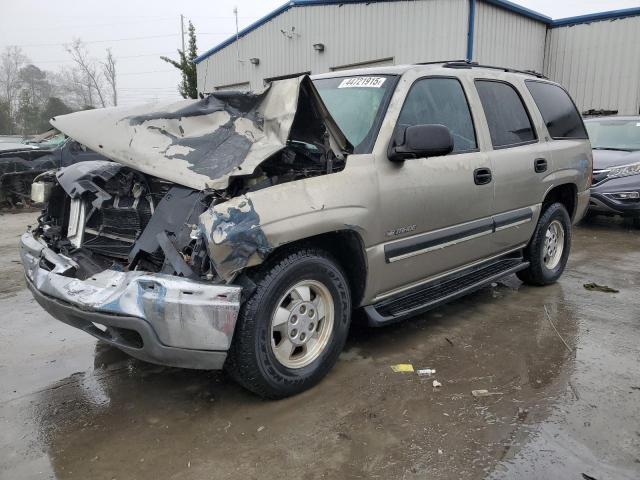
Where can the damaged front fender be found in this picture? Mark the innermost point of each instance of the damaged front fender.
(234, 237)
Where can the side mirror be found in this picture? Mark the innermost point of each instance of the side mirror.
(418, 141)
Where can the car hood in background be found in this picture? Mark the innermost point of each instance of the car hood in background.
(14, 147)
(612, 158)
(202, 143)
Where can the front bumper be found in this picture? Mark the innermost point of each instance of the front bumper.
(158, 318)
(602, 201)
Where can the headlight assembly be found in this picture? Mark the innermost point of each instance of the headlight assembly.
(624, 170)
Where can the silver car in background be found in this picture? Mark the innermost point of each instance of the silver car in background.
(616, 166)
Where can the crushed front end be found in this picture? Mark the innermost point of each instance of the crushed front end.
(143, 252)
(119, 255)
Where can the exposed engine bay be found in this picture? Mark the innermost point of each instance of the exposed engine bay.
(103, 215)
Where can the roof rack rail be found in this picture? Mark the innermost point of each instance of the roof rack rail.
(468, 64)
(439, 61)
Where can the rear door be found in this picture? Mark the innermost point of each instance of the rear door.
(519, 160)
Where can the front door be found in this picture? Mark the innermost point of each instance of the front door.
(435, 212)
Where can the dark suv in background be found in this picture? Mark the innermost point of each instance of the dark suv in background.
(616, 166)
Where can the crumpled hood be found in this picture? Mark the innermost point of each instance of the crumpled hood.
(202, 143)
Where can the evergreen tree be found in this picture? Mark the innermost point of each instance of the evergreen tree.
(188, 86)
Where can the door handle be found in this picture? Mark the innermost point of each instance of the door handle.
(540, 165)
(482, 176)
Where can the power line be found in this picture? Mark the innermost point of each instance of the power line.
(150, 71)
(167, 35)
(117, 58)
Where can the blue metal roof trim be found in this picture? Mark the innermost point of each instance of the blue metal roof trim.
(594, 17)
(275, 13)
(514, 7)
(507, 5)
(244, 31)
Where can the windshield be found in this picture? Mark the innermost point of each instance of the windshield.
(614, 134)
(356, 104)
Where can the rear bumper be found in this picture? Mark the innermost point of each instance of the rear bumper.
(158, 318)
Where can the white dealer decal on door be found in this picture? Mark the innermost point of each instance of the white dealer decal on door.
(371, 82)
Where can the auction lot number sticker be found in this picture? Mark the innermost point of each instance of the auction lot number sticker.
(370, 82)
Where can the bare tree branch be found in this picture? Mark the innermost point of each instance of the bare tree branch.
(109, 69)
(88, 67)
(11, 62)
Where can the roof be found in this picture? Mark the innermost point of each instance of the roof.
(449, 65)
(505, 4)
(594, 17)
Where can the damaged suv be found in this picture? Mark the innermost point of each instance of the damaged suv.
(240, 231)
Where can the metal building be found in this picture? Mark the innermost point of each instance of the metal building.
(597, 57)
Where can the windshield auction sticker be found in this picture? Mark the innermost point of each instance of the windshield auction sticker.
(362, 82)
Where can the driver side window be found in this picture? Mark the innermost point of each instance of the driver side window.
(442, 101)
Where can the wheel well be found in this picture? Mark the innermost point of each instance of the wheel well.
(565, 194)
(347, 247)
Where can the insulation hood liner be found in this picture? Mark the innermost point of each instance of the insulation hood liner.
(202, 143)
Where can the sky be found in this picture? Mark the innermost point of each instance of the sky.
(138, 32)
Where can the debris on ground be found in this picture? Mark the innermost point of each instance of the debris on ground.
(588, 477)
(260, 428)
(439, 451)
(436, 384)
(402, 368)
(484, 393)
(426, 372)
(450, 342)
(594, 287)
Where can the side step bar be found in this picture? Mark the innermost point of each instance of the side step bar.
(431, 295)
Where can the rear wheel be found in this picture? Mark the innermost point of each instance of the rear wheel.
(292, 328)
(548, 250)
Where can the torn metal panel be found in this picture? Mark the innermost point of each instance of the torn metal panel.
(202, 143)
(234, 236)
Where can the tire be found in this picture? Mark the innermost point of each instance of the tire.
(541, 272)
(258, 358)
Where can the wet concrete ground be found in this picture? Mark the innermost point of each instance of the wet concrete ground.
(74, 409)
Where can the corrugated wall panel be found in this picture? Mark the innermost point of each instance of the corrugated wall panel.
(407, 31)
(598, 62)
(504, 38)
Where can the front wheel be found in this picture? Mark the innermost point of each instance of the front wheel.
(292, 328)
(548, 250)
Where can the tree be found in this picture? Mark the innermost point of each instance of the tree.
(109, 71)
(6, 122)
(11, 63)
(36, 83)
(188, 86)
(28, 114)
(52, 108)
(90, 77)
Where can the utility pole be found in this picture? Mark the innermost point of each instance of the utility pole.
(235, 13)
(182, 30)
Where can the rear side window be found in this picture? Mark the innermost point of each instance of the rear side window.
(557, 110)
(509, 122)
(441, 101)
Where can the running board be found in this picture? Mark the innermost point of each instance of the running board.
(431, 295)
